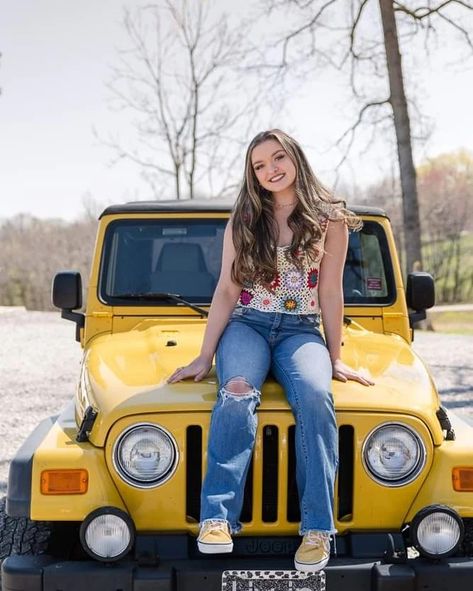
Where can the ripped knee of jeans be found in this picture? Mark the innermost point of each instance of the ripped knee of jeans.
(238, 388)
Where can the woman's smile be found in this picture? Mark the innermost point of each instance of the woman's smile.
(276, 178)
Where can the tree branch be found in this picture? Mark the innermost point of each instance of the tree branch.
(351, 131)
(425, 11)
(309, 25)
(353, 27)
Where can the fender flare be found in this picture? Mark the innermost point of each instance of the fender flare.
(19, 477)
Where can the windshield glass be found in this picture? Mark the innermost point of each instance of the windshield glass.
(368, 275)
(183, 257)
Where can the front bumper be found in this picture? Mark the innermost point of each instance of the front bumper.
(42, 573)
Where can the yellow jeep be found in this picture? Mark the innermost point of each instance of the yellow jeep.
(105, 496)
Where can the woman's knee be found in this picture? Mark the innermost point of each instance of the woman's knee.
(239, 388)
(319, 400)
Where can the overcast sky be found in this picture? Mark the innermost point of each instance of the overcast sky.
(56, 60)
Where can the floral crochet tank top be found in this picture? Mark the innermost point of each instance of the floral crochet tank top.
(292, 291)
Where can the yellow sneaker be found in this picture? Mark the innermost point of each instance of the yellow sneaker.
(314, 552)
(214, 537)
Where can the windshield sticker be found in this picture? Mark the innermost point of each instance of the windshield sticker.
(374, 283)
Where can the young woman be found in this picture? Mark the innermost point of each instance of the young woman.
(283, 255)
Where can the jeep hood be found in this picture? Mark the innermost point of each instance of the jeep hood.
(125, 374)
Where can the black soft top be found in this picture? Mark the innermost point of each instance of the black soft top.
(203, 205)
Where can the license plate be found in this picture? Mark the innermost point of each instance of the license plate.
(272, 580)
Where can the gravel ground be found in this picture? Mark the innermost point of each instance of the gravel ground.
(450, 358)
(39, 367)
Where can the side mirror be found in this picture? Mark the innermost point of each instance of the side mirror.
(420, 295)
(67, 295)
(67, 290)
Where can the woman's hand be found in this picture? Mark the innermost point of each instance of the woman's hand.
(343, 373)
(197, 369)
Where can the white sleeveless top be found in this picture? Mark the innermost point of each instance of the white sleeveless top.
(292, 291)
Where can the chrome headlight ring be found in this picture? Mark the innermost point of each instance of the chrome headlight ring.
(393, 454)
(145, 455)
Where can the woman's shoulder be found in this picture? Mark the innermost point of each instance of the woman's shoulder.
(323, 219)
(331, 217)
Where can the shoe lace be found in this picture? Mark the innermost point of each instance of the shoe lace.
(215, 524)
(317, 539)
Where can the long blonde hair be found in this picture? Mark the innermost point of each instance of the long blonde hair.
(255, 232)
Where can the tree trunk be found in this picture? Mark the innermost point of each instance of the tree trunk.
(177, 180)
(195, 116)
(457, 281)
(410, 206)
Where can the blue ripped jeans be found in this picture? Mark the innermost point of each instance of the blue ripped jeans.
(292, 347)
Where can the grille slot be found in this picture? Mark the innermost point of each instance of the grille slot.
(346, 453)
(193, 472)
(269, 509)
(292, 509)
(247, 509)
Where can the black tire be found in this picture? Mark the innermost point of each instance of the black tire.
(19, 535)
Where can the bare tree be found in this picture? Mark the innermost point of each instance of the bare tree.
(334, 36)
(184, 79)
(398, 102)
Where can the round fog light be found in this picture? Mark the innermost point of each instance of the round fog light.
(107, 534)
(437, 531)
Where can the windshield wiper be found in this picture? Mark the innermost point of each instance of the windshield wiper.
(159, 295)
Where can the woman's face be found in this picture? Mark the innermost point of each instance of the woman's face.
(273, 168)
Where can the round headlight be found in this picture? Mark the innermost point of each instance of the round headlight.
(394, 454)
(107, 534)
(145, 455)
(437, 531)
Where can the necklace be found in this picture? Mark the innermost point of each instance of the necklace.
(280, 206)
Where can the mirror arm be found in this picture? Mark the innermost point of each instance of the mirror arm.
(77, 317)
(416, 316)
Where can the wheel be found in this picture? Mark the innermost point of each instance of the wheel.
(19, 535)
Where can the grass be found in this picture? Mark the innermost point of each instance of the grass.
(444, 283)
(452, 322)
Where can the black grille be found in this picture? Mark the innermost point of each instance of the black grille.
(271, 473)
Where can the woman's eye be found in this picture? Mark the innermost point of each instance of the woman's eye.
(258, 167)
(280, 156)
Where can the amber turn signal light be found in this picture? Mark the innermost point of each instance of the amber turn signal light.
(64, 482)
(462, 479)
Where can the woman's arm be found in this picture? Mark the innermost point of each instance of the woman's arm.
(223, 302)
(331, 299)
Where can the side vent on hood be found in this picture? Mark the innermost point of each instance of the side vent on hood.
(445, 424)
(86, 426)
